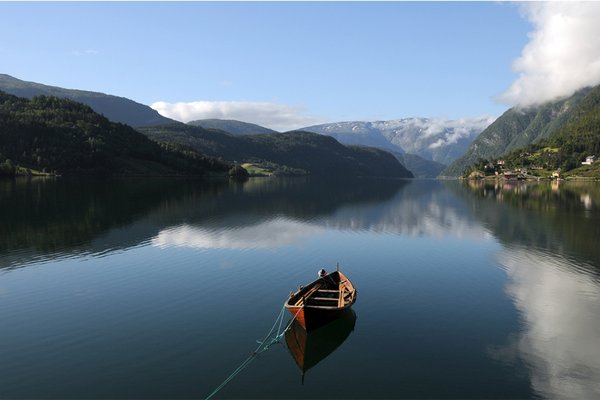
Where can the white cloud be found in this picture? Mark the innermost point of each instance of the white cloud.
(562, 55)
(271, 115)
(451, 131)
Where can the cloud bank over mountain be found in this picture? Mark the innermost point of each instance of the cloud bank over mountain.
(279, 117)
(562, 55)
(442, 131)
(438, 139)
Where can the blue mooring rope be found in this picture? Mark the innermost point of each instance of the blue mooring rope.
(263, 346)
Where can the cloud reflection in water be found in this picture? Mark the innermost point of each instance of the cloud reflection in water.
(560, 305)
(270, 234)
(406, 217)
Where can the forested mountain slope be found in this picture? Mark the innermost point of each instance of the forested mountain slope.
(517, 128)
(70, 138)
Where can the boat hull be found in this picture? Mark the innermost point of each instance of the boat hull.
(322, 301)
(311, 319)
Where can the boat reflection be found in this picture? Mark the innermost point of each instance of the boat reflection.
(309, 349)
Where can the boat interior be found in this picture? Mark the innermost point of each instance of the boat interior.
(330, 292)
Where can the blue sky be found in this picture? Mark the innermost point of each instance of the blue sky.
(322, 62)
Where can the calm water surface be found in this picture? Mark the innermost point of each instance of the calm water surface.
(160, 288)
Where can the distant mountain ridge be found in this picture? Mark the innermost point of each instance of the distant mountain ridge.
(237, 128)
(439, 140)
(317, 154)
(420, 167)
(116, 109)
(517, 128)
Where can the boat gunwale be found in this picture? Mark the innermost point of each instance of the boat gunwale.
(343, 280)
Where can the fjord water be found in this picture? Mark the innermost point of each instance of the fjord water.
(160, 288)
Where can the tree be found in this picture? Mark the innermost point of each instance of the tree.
(7, 168)
(238, 173)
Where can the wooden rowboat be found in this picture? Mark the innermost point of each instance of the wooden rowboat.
(321, 301)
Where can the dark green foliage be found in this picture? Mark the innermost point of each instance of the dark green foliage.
(486, 166)
(568, 146)
(211, 142)
(70, 138)
(284, 170)
(233, 127)
(7, 168)
(517, 128)
(317, 154)
(238, 173)
(117, 109)
(581, 136)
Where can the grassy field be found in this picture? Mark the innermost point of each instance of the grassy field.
(257, 170)
(22, 171)
(585, 171)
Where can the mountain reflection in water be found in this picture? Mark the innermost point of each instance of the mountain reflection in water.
(555, 217)
(309, 349)
(51, 219)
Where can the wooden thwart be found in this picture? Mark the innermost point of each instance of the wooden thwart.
(324, 298)
(331, 294)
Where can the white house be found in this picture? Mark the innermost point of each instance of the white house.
(589, 160)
